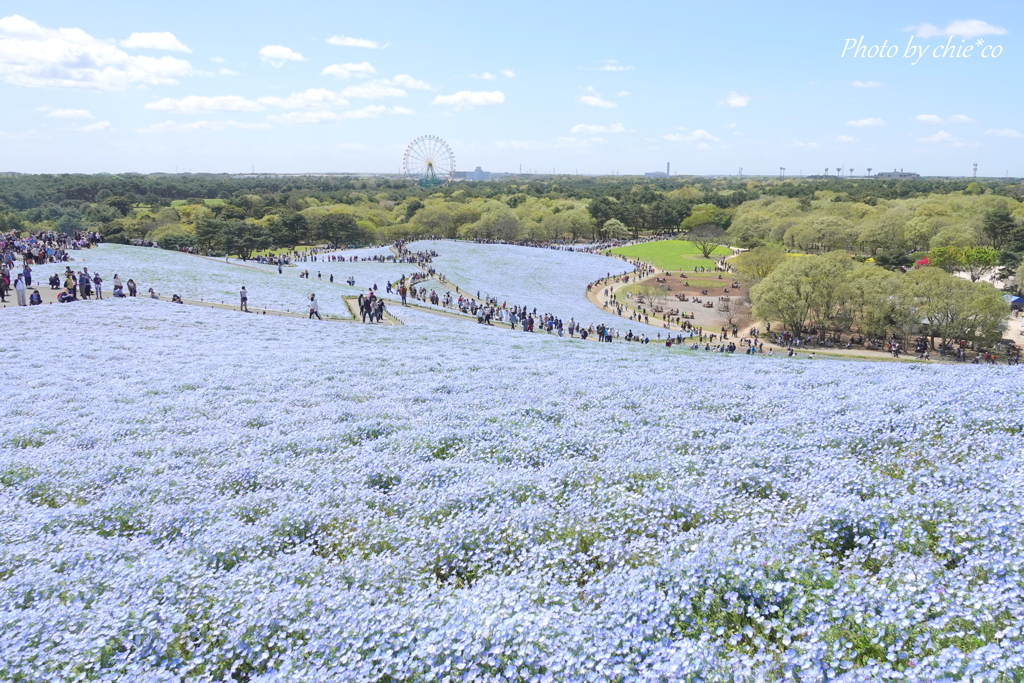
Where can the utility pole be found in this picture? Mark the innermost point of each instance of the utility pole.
(975, 171)
(782, 172)
(741, 171)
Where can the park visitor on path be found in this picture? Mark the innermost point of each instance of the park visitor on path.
(244, 296)
(19, 290)
(314, 307)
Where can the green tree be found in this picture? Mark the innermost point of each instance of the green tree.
(980, 261)
(706, 214)
(805, 291)
(338, 229)
(208, 234)
(758, 263)
(120, 203)
(999, 226)
(437, 219)
(706, 237)
(290, 229)
(949, 259)
(750, 229)
(613, 229)
(953, 308)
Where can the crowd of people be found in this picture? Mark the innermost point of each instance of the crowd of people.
(43, 247)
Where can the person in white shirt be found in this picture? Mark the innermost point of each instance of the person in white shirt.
(314, 307)
(19, 289)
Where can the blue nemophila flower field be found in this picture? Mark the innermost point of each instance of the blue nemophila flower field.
(189, 494)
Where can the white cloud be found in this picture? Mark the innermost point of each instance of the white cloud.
(348, 41)
(737, 100)
(1003, 133)
(402, 110)
(313, 117)
(155, 41)
(94, 127)
(730, 125)
(407, 81)
(613, 65)
(195, 104)
(697, 135)
(970, 28)
(370, 112)
(67, 113)
(622, 93)
(861, 123)
(373, 90)
(279, 55)
(347, 71)
(217, 60)
(961, 118)
(171, 126)
(37, 57)
(941, 136)
(304, 117)
(844, 138)
(703, 145)
(228, 72)
(314, 98)
(866, 84)
(487, 76)
(808, 145)
(594, 99)
(469, 98)
(928, 118)
(508, 73)
(585, 129)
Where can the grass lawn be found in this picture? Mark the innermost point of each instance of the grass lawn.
(209, 202)
(670, 254)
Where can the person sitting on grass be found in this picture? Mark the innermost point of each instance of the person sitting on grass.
(35, 299)
(176, 299)
(66, 296)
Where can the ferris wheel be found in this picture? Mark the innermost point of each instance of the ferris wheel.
(429, 160)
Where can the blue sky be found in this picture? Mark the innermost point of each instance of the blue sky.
(591, 87)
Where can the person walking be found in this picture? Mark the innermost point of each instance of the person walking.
(244, 297)
(314, 307)
(98, 281)
(19, 290)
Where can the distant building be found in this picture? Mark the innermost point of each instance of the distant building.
(897, 175)
(659, 174)
(478, 174)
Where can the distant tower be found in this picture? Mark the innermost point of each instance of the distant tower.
(839, 171)
(668, 168)
(782, 171)
(826, 170)
(741, 171)
(975, 171)
(869, 171)
(851, 172)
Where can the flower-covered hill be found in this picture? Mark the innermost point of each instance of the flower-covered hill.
(196, 495)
